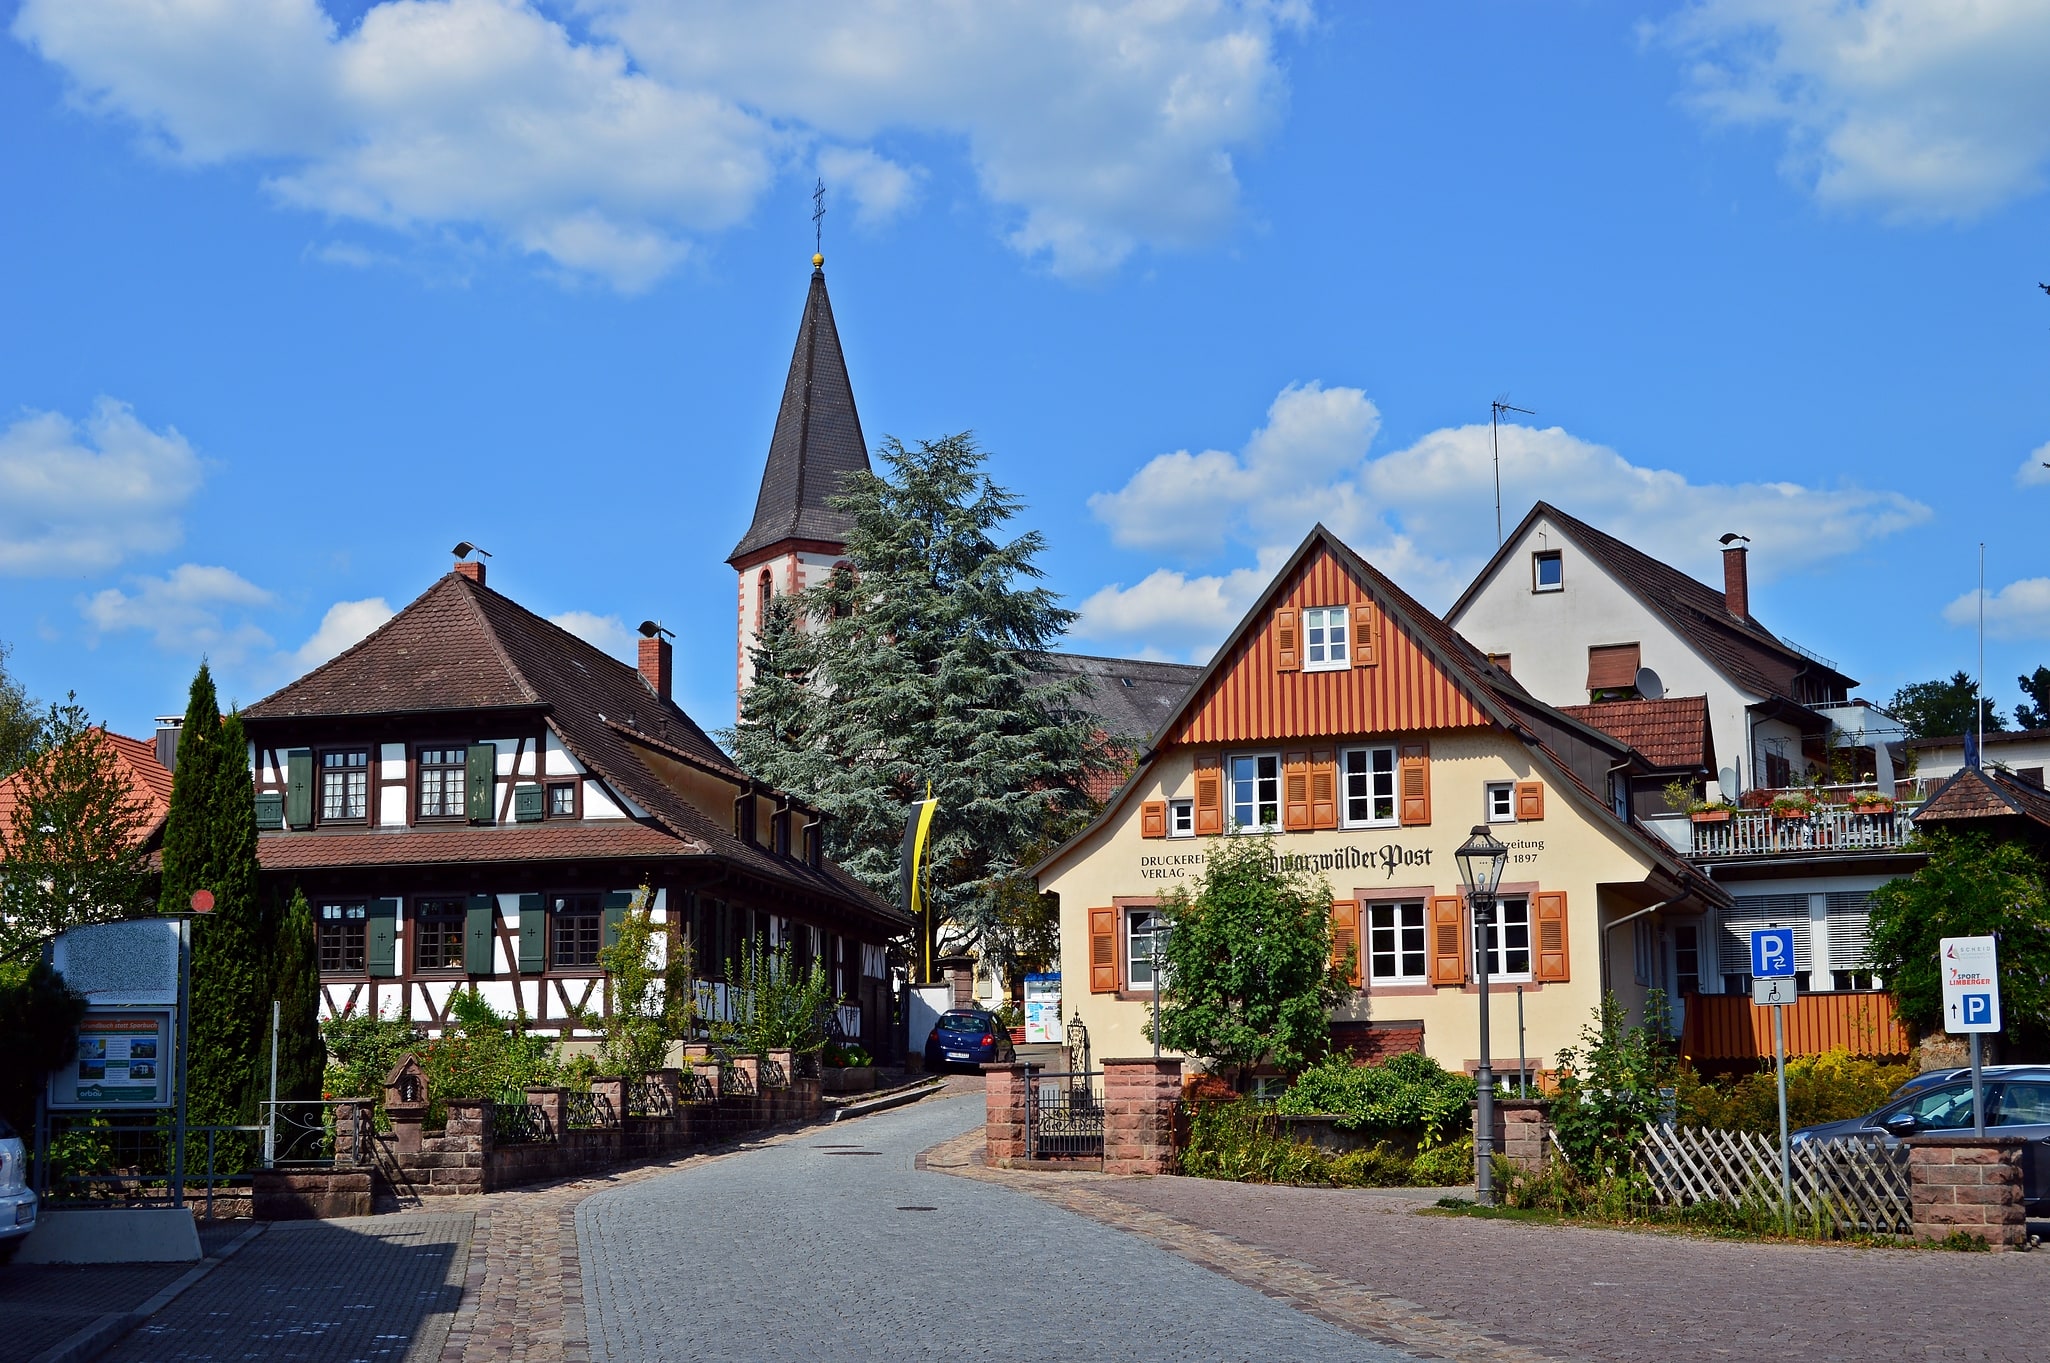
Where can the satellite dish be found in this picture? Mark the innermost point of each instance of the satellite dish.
(1649, 687)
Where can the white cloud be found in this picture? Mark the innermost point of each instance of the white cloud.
(2034, 470)
(2020, 610)
(1424, 514)
(1924, 108)
(193, 609)
(345, 623)
(608, 144)
(73, 500)
(607, 633)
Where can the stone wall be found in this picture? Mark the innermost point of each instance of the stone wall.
(1003, 1129)
(1139, 1102)
(1969, 1184)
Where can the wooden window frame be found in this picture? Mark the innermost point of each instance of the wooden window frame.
(1539, 557)
(368, 819)
(416, 771)
(556, 913)
(1394, 819)
(1230, 797)
(361, 970)
(574, 785)
(1325, 618)
(417, 917)
(1128, 982)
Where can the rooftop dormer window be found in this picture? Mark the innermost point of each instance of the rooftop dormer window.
(1327, 633)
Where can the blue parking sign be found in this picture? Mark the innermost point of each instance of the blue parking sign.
(1772, 953)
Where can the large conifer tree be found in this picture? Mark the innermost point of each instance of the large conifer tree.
(294, 982)
(917, 668)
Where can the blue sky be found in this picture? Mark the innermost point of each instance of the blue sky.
(299, 297)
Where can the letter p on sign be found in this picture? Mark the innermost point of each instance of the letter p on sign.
(1772, 953)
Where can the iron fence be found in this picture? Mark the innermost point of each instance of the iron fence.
(1064, 1114)
(585, 1110)
(314, 1132)
(696, 1088)
(520, 1123)
(806, 1065)
(773, 1074)
(646, 1098)
(132, 1159)
(734, 1082)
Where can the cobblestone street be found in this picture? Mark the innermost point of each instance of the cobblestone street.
(834, 1245)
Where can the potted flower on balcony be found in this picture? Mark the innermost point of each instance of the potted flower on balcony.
(1680, 797)
(1792, 806)
(1871, 802)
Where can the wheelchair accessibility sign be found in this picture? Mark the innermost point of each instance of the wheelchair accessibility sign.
(1971, 984)
(1772, 954)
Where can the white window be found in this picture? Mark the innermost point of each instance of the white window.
(1268, 1087)
(1369, 786)
(1255, 792)
(1145, 932)
(1501, 802)
(1508, 941)
(1395, 943)
(1547, 571)
(1327, 638)
(1181, 818)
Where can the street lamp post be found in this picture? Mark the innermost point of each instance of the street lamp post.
(1481, 861)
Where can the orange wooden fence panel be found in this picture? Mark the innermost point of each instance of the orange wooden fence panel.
(1726, 1027)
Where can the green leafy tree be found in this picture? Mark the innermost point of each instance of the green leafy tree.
(71, 851)
(39, 1016)
(1970, 886)
(1939, 709)
(915, 669)
(654, 993)
(1248, 963)
(294, 985)
(22, 734)
(210, 844)
(2034, 713)
(1607, 1092)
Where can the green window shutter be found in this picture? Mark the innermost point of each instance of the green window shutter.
(527, 804)
(270, 809)
(617, 902)
(483, 781)
(299, 788)
(533, 935)
(480, 927)
(381, 938)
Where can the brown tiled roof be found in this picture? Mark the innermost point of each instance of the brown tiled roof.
(148, 781)
(1129, 698)
(1670, 734)
(817, 439)
(1977, 793)
(602, 840)
(463, 647)
(1744, 650)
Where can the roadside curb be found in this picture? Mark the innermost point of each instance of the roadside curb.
(888, 1101)
(110, 1329)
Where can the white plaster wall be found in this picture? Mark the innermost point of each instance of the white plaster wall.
(598, 803)
(560, 760)
(1547, 635)
(1948, 759)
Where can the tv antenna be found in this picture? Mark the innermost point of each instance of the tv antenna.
(818, 217)
(1495, 410)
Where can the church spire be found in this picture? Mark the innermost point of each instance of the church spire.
(817, 441)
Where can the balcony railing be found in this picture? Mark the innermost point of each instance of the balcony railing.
(1729, 1028)
(1821, 828)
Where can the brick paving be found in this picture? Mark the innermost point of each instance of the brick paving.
(836, 1244)
(1479, 1289)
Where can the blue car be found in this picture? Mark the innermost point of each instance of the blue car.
(968, 1036)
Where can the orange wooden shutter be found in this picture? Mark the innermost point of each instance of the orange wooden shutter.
(1345, 940)
(1413, 782)
(1323, 789)
(1366, 635)
(1552, 965)
(1448, 940)
(1103, 951)
(1288, 653)
(1295, 791)
(1612, 667)
(1530, 800)
(1209, 795)
(1153, 819)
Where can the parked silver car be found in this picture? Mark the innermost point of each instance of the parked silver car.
(17, 1203)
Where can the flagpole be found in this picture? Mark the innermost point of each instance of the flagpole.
(1979, 691)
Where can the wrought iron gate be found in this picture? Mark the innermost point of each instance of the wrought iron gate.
(1064, 1114)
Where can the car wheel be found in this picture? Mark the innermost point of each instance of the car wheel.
(9, 1246)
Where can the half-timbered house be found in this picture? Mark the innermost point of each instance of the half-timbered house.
(471, 795)
(1367, 738)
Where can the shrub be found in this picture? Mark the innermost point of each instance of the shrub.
(361, 1051)
(1444, 1166)
(1608, 1089)
(1820, 1088)
(775, 1006)
(847, 1056)
(1410, 1096)
(483, 1054)
(1241, 1141)
(1379, 1166)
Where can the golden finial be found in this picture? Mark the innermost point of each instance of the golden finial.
(817, 261)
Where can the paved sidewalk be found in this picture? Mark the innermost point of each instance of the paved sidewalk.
(42, 1305)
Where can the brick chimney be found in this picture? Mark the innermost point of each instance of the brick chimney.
(1736, 581)
(473, 569)
(655, 665)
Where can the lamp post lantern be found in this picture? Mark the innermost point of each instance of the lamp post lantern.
(1481, 861)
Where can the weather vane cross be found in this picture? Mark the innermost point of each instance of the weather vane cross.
(818, 216)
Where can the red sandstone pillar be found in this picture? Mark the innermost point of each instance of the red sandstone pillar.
(1139, 1098)
(1003, 1123)
(1968, 1183)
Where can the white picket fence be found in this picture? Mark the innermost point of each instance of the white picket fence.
(1859, 1183)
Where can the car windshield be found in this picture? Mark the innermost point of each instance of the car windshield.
(964, 1022)
(1942, 1109)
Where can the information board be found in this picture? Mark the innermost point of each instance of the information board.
(1043, 1009)
(1971, 984)
(124, 1060)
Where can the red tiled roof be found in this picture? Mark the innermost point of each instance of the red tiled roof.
(598, 840)
(1669, 733)
(1975, 793)
(149, 781)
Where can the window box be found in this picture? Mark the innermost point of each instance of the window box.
(1710, 816)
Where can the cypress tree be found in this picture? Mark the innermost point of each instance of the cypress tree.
(188, 862)
(295, 984)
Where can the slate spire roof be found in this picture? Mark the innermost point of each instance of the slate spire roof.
(817, 441)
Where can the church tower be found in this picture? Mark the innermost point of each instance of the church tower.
(795, 538)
